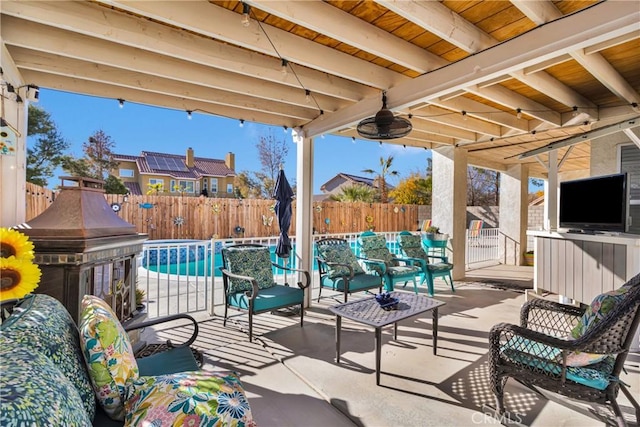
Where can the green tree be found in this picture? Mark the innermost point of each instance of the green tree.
(75, 166)
(47, 151)
(381, 176)
(98, 152)
(114, 185)
(355, 193)
(414, 190)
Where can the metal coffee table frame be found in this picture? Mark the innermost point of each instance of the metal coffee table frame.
(369, 312)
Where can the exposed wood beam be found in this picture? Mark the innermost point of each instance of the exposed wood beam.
(349, 29)
(99, 22)
(34, 36)
(214, 21)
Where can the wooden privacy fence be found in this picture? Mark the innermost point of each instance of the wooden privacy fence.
(169, 217)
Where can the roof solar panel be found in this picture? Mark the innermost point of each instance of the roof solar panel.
(166, 163)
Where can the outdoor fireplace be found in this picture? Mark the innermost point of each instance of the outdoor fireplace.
(83, 247)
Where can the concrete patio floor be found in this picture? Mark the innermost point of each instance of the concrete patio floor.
(292, 379)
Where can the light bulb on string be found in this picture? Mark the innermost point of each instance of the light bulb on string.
(286, 129)
(283, 67)
(189, 114)
(241, 123)
(120, 103)
(575, 111)
(307, 96)
(464, 115)
(519, 113)
(245, 20)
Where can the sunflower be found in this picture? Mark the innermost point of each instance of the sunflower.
(18, 277)
(14, 243)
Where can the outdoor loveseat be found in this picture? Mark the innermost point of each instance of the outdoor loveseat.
(57, 373)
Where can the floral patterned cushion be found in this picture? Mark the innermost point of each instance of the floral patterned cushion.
(41, 322)
(34, 392)
(411, 245)
(375, 247)
(341, 254)
(188, 398)
(600, 306)
(254, 262)
(108, 355)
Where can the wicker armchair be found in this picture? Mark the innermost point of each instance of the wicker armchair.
(541, 352)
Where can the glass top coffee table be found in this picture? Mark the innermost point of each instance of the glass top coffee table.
(369, 312)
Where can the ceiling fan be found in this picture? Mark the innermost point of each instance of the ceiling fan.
(384, 125)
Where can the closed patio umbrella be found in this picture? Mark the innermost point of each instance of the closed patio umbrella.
(283, 195)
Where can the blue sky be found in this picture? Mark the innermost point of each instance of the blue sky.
(137, 128)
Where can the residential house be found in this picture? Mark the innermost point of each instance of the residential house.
(343, 180)
(176, 174)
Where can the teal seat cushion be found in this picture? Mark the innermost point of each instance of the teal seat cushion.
(179, 359)
(41, 322)
(440, 267)
(359, 282)
(34, 392)
(254, 262)
(269, 299)
(403, 270)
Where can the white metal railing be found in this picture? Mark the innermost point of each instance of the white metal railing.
(482, 245)
(183, 276)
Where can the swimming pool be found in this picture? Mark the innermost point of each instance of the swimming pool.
(184, 257)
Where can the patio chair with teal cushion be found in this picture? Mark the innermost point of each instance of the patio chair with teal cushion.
(578, 352)
(250, 285)
(339, 269)
(378, 258)
(432, 266)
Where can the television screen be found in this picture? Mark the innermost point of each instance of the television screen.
(594, 204)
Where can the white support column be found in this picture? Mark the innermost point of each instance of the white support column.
(449, 202)
(551, 194)
(13, 172)
(304, 205)
(514, 213)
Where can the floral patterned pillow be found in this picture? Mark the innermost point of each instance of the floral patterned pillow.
(253, 262)
(188, 398)
(34, 392)
(42, 323)
(600, 306)
(107, 353)
(341, 254)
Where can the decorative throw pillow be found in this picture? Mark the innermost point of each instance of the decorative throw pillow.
(578, 358)
(108, 355)
(341, 254)
(253, 262)
(34, 392)
(600, 306)
(188, 398)
(44, 324)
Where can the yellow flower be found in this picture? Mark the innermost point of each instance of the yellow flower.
(14, 243)
(18, 277)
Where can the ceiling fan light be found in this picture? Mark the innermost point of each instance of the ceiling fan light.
(384, 125)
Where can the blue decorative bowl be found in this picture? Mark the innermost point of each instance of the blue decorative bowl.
(386, 301)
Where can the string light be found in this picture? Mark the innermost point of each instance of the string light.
(519, 113)
(286, 129)
(321, 115)
(189, 114)
(245, 20)
(283, 68)
(307, 96)
(464, 115)
(353, 139)
(241, 123)
(380, 143)
(575, 111)
(120, 102)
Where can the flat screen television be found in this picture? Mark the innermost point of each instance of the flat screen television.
(595, 204)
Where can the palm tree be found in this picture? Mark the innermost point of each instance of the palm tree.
(385, 169)
(355, 193)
